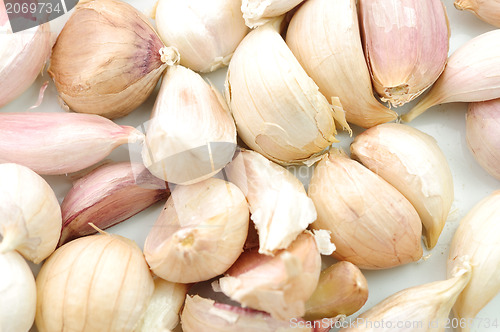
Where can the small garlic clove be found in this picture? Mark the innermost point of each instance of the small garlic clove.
(413, 163)
(259, 12)
(107, 196)
(486, 10)
(71, 141)
(372, 224)
(200, 233)
(279, 205)
(324, 36)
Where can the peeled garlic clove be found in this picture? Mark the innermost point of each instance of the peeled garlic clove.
(17, 293)
(486, 10)
(107, 59)
(472, 74)
(191, 135)
(324, 36)
(279, 206)
(30, 216)
(206, 33)
(279, 285)
(95, 283)
(372, 224)
(71, 142)
(259, 12)
(413, 163)
(477, 239)
(483, 126)
(420, 31)
(107, 196)
(200, 233)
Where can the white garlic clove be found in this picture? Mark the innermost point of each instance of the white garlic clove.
(259, 12)
(413, 163)
(486, 10)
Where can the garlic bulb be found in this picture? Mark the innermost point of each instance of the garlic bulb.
(107, 196)
(420, 31)
(477, 238)
(17, 293)
(372, 224)
(95, 283)
(413, 163)
(324, 36)
(200, 233)
(108, 58)
(486, 10)
(71, 142)
(279, 205)
(259, 12)
(483, 126)
(472, 74)
(30, 216)
(206, 33)
(191, 135)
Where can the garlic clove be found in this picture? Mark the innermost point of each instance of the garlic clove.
(472, 74)
(413, 163)
(107, 196)
(324, 36)
(259, 12)
(279, 205)
(420, 31)
(200, 233)
(486, 10)
(191, 135)
(71, 141)
(371, 223)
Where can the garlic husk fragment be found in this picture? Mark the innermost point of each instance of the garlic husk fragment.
(486, 10)
(472, 74)
(482, 128)
(259, 12)
(71, 142)
(413, 163)
(30, 216)
(477, 238)
(278, 109)
(280, 284)
(324, 36)
(200, 233)
(371, 223)
(17, 293)
(127, 58)
(279, 205)
(206, 33)
(107, 196)
(95, 283)
(420, 31)
(191, 135)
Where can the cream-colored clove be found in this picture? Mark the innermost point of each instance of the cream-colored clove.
(259, 12)
(486, 10)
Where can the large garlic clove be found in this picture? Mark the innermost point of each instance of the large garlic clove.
(206, 33)
(477, 239)
(71, 142)
(420, 31)
(373, 225)
(259, 12)
(200, 232)
(482, 128)
(107, 196)
(324, 36)
(107, 59)
(279, 285)
(95, 283)
(278, 109)
(413, 163)
(30, 216)
(17, 293)
(279, 205)
(486, 10)
(472, 74)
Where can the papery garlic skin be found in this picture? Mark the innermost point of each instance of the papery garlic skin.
(486, 10)
(278, 202)
(372, 224)
(419, 30)
(413, 163)
(191, 135)
(259, 12)
(206, 33)
(17, 293)
(30, 216)
(324, 36)
(95, 283)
